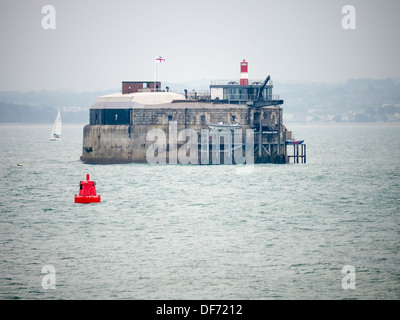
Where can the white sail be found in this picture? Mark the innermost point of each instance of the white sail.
(57, 128)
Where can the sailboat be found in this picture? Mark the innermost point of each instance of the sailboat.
(57, 128)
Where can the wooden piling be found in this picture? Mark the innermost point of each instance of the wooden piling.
(299, 156)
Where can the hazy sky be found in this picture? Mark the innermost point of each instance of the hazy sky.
(97, 43)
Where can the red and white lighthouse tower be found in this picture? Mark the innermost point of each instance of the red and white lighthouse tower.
(244, 75)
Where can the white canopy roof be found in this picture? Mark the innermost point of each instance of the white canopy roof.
(144, 98)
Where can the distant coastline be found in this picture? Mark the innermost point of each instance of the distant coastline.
(354, 101)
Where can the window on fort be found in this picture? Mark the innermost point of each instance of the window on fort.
(269, 93)
(169, 118)
(203, 119)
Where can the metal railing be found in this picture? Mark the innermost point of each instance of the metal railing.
(247, 97)
(202, 94)
(237, 82)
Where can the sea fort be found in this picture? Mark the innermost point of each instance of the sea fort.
(236, 122)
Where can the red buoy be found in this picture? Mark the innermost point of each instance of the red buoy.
(87, 192)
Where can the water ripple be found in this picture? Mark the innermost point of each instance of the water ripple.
(202, 232)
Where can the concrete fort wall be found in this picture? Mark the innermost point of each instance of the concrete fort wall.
(194, 117)
(126, 143)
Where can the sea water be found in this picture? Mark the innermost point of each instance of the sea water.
(202, 232)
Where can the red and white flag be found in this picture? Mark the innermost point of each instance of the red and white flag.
(160, 59)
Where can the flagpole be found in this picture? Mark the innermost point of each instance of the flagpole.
(158, 61)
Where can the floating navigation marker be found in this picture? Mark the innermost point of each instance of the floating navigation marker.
(87, 192)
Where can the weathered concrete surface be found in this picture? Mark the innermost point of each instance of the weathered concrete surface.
(110, 144)
(106, 144)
